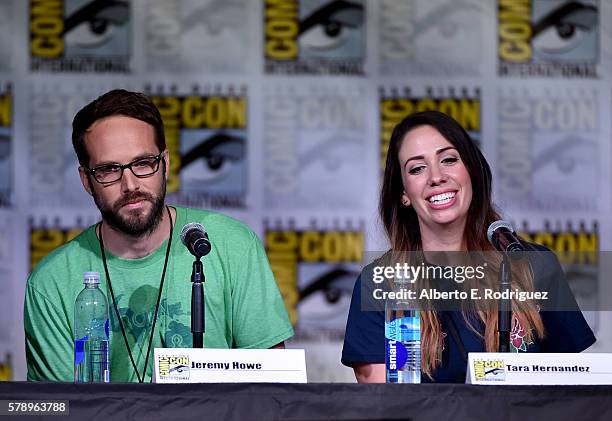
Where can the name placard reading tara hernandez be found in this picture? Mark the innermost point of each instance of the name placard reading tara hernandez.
(546, 368)
(189, 365)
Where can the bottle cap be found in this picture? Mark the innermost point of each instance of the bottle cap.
(91, 278)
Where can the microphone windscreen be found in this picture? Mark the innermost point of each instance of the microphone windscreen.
(188, 228)
(495, 226)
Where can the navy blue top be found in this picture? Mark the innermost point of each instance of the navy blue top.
(565, 331)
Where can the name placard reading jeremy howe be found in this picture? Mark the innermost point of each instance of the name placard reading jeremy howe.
(546, 368)
(189, 365)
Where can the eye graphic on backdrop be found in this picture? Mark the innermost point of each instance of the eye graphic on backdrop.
(333, 152)
(93, 24)
(564, 28)
(331, 25)
(216, 17)
(214, 157)
(333, 284)
(567, 155)
(445, 22)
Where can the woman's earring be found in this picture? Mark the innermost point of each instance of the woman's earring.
(405, 199)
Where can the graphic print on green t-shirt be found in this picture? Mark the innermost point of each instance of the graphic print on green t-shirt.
(137, 319)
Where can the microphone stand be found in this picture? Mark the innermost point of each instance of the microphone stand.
(197, 304)
(505, 305)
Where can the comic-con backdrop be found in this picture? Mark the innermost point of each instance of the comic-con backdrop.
(279, 113)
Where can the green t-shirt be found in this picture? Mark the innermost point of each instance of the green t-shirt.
(244, 308)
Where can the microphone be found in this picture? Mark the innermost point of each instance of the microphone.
(502, 236)
(195, 239)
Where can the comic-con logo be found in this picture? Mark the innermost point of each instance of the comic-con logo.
(396, 103)
(574, 243)
(52, 165)
(206, 137)
(490, 370)
(547, 142)
(290, 250)
(80, 35)
(6, 369)
(175, 367)
(45, 238)
(548, 38)
(314, 147)
(200, 36)
(432, 38)
(6, 122)
(314, 36)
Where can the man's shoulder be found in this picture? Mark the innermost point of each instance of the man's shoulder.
(59, 260)
(216, 224)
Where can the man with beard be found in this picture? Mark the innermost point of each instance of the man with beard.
(145, 270)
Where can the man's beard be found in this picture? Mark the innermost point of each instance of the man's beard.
(136, 225)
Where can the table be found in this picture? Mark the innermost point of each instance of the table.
(316, 401)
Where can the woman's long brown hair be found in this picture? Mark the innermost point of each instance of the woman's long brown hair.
(402, 227)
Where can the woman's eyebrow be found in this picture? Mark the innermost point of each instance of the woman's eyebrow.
(438, 152)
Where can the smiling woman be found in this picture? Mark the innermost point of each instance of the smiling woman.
(436, 184)
(436, 197)
(431, 154)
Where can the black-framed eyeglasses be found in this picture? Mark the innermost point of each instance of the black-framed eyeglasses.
(111, 173)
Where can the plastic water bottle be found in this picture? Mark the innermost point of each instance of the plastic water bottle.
(91, 327)
(403, 340)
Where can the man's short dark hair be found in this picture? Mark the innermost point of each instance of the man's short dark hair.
(118, 102)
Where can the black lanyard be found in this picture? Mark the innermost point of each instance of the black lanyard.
(161, 286)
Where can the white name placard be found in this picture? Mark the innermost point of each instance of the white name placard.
(525, 368)
(189, 365)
